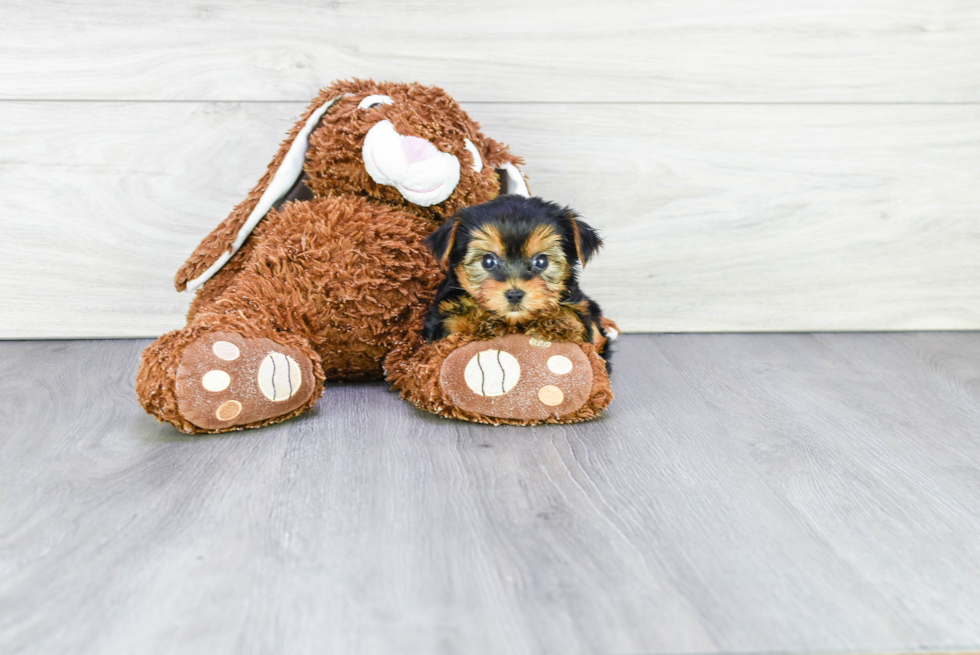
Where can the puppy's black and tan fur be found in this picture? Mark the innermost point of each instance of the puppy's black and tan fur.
(511, 267)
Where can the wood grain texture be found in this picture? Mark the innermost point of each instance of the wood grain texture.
(556, 50)
(716, 218)
(745, 493)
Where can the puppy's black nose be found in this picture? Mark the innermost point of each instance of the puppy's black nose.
(514, 296)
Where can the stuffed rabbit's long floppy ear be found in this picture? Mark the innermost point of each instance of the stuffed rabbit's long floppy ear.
(282, 175)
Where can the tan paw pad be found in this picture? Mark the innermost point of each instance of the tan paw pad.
(560, 365)
(492, 373)
(228, 410)
(551, 395)
(226, 350)
(225, 380)
(279, 377)
(216, 380)
(517, 377)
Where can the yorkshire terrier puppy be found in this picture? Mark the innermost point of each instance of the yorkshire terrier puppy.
(511, 267)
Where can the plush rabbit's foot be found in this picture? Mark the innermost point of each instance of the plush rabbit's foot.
(518, 377)
(225, 380)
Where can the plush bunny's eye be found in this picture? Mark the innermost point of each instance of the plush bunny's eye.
(477, 159)
(374, 101)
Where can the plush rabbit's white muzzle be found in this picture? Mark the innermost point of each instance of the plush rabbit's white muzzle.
(422, 173)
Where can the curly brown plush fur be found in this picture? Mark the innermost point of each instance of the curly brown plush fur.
(415, 368)
(342, 278)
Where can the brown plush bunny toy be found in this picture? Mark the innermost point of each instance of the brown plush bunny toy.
(319, 273)
(322, 270)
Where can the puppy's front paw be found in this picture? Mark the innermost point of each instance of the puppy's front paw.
(518, 377)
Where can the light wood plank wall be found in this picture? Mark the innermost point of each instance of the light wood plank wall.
(754, 166)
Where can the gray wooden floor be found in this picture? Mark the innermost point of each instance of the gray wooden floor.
(791, 493)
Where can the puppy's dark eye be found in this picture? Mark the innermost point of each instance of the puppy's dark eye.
(489, 261)
(540, 262)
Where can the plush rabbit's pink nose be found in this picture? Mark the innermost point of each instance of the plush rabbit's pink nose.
(417, 149)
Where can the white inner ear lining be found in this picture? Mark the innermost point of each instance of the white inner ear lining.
(516, 183)
(286, 175)
(477, 159)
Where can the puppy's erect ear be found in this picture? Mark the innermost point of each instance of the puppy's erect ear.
(587, 240)
(441, 241)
